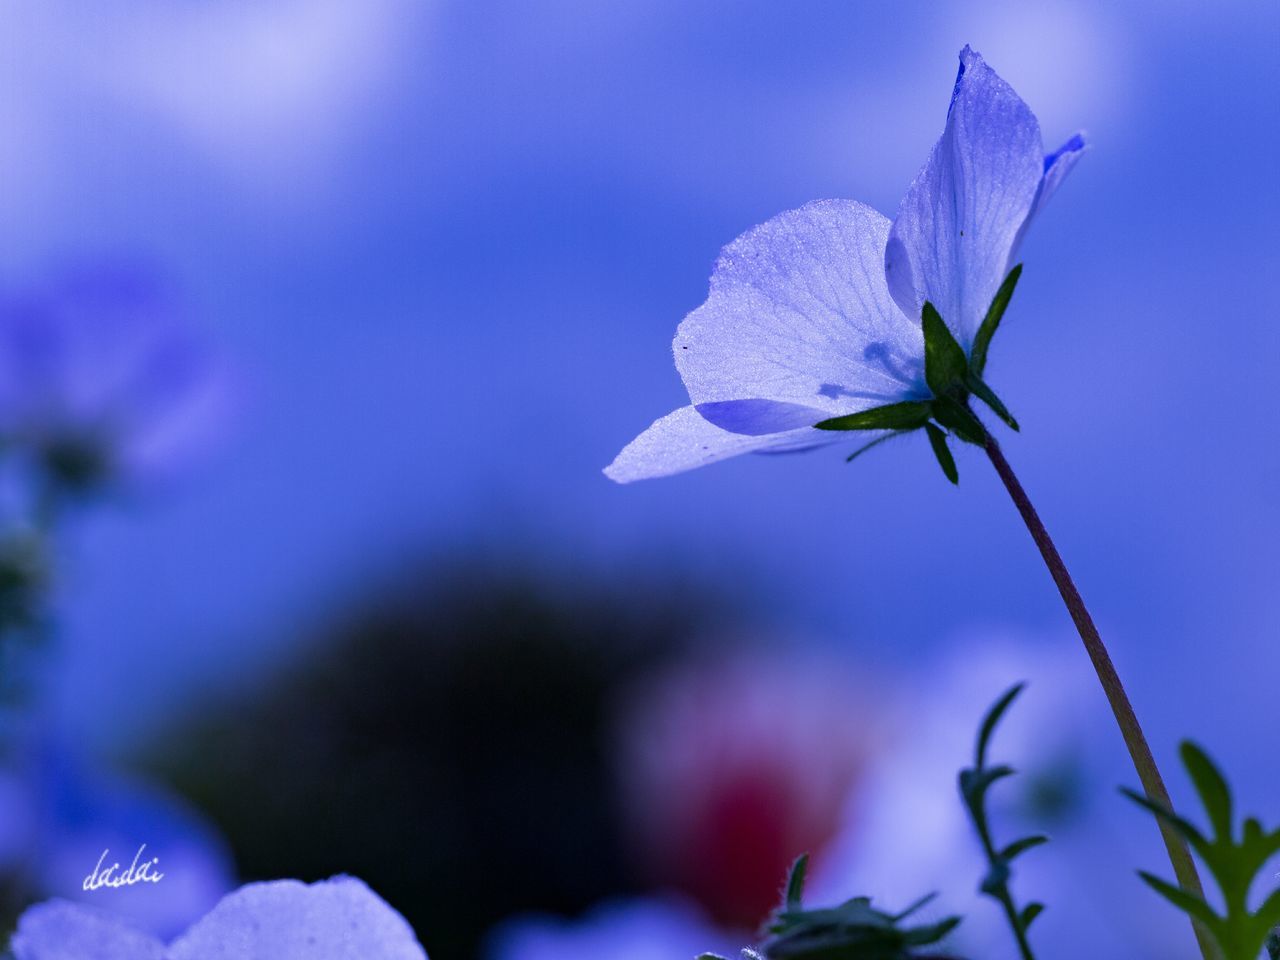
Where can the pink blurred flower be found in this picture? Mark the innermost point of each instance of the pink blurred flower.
(732, 767)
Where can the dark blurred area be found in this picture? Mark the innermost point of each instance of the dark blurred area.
(447, 740)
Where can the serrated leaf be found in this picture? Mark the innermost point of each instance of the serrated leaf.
(907, 415)
(1183, 826)
(1019, 847)
(938, 441)
(1211, 786)
(1240, 934)
(988, 396)
(795, 883)
(945, 364)
(959, 419)
(991, 719)
(982, 341)
(1186, 902)
(1029, 913)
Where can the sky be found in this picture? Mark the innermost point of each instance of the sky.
(446, 245)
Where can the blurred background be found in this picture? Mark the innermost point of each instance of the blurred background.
(318, 321)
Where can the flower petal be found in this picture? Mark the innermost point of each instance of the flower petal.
(957, 229)
(338, 919)
(1056, 167)
(799, 314)
(58, 930)
(685, 439)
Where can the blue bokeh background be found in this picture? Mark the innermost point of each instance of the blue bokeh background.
(448, 244)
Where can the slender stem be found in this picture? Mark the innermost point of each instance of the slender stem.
(1184, 867)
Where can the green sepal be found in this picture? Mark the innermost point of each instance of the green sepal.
(945, 365)
(959, 419)
(1029, 913)
(874, 443)
(795, 883)
(907, 415)
(938, 440)
(982, 341)
(988, 396)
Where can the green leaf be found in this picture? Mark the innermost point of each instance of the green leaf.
(1239, 933)
(938, 440)
(795, 883)
(982, 341)
(988, 396)
(1186, 902)
(907, 415)
(1183, 826)
(945, 364)
(1210, 785)
(1018, 847)
(991, 719)
(1029, 913)
(975, 781)
(959, 419)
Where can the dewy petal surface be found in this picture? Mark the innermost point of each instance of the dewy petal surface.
(58, 930)
(957, 230)
(799, 316)
(338, 919)
(685, 439)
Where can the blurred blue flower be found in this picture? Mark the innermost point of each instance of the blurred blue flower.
(100, 380)
(906, 832)
(816, 313)
(651, 929)
(337, 919)
(57, 817)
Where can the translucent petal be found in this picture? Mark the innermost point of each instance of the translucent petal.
(338, 919)
(1056, 167)
(799, 314)
(685, 439)
(58, 930)
(956, 232)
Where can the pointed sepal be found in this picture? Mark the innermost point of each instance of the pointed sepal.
(945, 364)
(908, 415)
(938, 441)
(982, 341)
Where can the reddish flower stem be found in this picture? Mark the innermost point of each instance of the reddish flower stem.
(1184, 867)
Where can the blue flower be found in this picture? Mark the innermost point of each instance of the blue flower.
(57, 816)
(338, 919)
(100, 379)
(816, 313)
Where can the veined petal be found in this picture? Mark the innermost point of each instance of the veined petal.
(1056, 167)
(957, 229)
(58, 930)
(338, 919)
(685, 439)
(799, 316)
